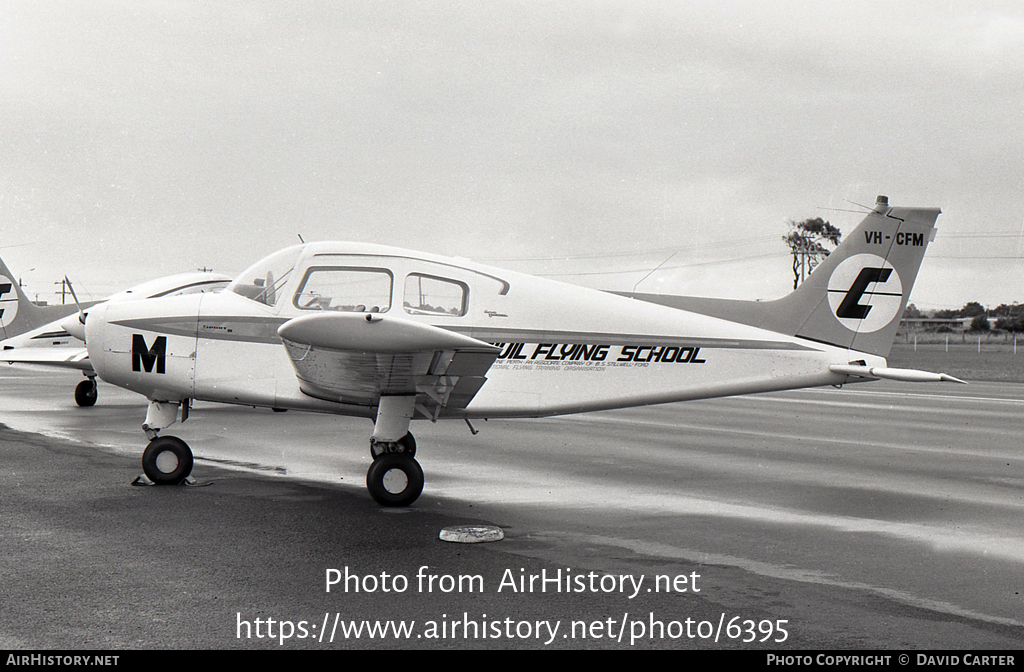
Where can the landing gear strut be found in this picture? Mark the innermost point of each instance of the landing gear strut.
(86, 392)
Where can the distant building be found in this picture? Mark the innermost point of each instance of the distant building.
(934, 323)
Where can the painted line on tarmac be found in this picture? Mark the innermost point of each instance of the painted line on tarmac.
(790, 573)
(921, 395)
(760, 434)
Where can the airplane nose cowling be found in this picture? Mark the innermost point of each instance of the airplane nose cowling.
(93, 329)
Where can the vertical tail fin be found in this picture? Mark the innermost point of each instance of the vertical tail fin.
(17, 313)
(856, 297)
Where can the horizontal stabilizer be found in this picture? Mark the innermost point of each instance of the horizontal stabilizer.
(884, 372)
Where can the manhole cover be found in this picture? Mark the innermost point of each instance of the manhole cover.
(471, 534)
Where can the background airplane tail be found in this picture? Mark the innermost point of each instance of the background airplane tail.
(855, 298)
(17, 313)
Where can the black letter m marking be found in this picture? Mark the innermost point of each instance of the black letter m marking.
(143, 357)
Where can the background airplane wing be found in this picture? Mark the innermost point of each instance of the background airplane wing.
(64, 358)
(357, 357)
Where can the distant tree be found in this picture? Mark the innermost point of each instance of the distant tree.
(1005, 310)
(980, 323)
(1014, 324)
(806, 241)
(972, 309)
(912, 311)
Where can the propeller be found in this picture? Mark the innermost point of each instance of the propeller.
(75, 324)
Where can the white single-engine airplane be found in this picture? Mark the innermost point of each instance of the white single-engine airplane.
(395, 335)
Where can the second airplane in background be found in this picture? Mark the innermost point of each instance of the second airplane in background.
(55, 335)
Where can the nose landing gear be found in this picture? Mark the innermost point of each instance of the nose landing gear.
(167, 460)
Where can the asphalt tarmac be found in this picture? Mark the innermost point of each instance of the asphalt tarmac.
(878, 516)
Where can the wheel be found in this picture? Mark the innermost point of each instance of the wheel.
(407, 443)
(394, 479)
(85, 393)
(167, 460)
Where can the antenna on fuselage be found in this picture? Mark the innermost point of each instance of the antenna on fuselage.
(300, 238)
(652, 272)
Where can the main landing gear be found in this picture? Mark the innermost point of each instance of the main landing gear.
(86, 392)
(395, 477)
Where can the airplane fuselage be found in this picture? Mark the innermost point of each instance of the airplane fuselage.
(607, 351)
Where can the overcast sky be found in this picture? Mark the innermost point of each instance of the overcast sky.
(586, 141)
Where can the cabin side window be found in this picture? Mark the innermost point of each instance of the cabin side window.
(354, 290)
(432, 295)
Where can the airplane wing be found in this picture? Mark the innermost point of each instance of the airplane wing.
(64, 358)
(356, 358)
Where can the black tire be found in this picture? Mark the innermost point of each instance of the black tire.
(86, 393)
(167, 460)
(394, 479)
(407, 442)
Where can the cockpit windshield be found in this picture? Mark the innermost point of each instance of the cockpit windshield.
(263, 281)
